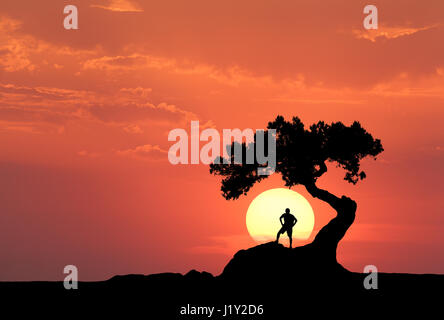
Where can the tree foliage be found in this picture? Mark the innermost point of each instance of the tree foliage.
(302, 155)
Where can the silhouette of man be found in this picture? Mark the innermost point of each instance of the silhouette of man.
(287, 225)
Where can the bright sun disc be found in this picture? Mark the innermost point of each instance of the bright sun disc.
(265, 210)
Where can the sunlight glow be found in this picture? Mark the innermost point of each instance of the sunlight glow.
(265, 210)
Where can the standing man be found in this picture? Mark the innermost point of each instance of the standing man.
(288, 223)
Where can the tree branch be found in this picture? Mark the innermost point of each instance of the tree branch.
(323, 195)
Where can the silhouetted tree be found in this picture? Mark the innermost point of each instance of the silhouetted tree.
(301, 158)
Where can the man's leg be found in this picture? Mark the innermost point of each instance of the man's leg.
(290, 235)
(278, 235)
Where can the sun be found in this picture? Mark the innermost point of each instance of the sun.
(265, 210)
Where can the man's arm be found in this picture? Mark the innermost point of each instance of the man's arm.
(294, 221)
(280, 219)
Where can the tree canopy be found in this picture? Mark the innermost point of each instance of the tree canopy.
(302, 155)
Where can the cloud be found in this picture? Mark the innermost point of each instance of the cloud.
(132, 128)
(138, 113)
(39, 93)
(389, 32)
(119, 6)
(25, 52)
(232, 75)
(31, 127)
(279, 48)
(144, 152)
(15, 51)
(139, 91)
(127, 108)
(405, 85)
(130, 62)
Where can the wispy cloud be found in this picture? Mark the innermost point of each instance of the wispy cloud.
(23, 108)
(232, 76)
(144, 152)
(405, 85)
(389, 32)
(119, 6)
(139, 91)
(15, 51)
(24, 52)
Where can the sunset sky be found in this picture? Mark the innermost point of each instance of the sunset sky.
(85, 115)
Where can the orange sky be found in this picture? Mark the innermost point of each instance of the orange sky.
(85, 115)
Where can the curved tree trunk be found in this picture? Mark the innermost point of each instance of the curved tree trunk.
(312, 264)
(329, 236)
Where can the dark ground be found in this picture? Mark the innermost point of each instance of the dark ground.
(287, 283)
